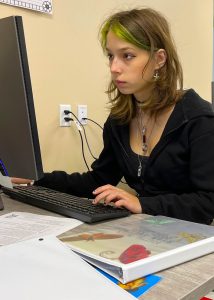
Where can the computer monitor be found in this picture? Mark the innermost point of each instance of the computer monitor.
(19, 143)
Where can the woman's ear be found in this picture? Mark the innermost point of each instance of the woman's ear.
(160, 58)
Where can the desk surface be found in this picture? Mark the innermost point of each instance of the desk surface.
(191, 280)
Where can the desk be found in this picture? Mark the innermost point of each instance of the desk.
(188, 281)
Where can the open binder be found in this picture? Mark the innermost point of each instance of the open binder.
(133, 247)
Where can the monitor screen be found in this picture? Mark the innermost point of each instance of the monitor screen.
(19, 143)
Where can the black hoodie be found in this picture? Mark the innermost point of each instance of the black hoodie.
(178, 179)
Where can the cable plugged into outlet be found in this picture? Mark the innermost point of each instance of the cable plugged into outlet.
(82, 113)
(63, 117)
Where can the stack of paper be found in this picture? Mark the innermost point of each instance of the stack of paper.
(46, 269)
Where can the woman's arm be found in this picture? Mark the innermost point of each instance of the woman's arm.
(196, 205)
(15, 180)
(104, 170)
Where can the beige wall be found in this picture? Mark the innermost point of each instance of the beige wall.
(67, 65)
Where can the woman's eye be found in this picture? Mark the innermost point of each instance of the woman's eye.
(110, 56)
(128, 56)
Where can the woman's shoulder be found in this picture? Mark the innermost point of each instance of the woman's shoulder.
(113, 122)
(113, 127)
(194, 105)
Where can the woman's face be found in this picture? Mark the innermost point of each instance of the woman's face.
(127, 65)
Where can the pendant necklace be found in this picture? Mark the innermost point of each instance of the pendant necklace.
(142, 131)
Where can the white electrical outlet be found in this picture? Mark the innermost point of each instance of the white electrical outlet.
(82, 113)
(62, 115)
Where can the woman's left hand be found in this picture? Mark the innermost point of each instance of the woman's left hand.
(121, 198)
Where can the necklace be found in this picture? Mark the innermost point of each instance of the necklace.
(139, 103)
(142, 129)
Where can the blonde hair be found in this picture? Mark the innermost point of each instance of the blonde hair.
(149, 30)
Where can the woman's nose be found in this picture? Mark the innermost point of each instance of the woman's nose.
(115, 66)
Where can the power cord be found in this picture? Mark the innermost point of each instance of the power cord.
(70, 119)
(3, 169)
(83, 152)
(67, 119)
(93, 122)
(80, 126)
(66, 112)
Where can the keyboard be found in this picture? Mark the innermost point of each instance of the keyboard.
(65, 204)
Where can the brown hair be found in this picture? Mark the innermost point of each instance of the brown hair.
(149, 30)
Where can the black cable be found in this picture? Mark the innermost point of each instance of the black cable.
(82, 144)
(69, 119)
(124, 182)
(70, 112)
(83, 153)
(93, 122)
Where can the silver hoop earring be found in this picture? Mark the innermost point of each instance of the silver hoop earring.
(156, 76)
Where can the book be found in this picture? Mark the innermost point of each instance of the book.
(139, 245)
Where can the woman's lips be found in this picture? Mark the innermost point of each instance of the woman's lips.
(120, 83)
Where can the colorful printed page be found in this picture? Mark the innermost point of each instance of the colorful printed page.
(136, 287)
(126, 240)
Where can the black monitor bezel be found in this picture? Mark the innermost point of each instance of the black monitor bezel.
(16, 23)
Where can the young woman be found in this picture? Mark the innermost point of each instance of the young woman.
(159, 137)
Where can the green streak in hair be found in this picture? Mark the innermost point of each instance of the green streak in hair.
(121, 32)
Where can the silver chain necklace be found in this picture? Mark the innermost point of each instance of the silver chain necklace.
(142, 132)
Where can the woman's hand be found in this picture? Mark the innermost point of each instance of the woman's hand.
(15, 180)
(121, 198)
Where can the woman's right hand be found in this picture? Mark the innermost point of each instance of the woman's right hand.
(15, 180)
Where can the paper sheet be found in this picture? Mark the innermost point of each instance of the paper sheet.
(5, 181)
(19, 226)
(46, 269)
(39, 5)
